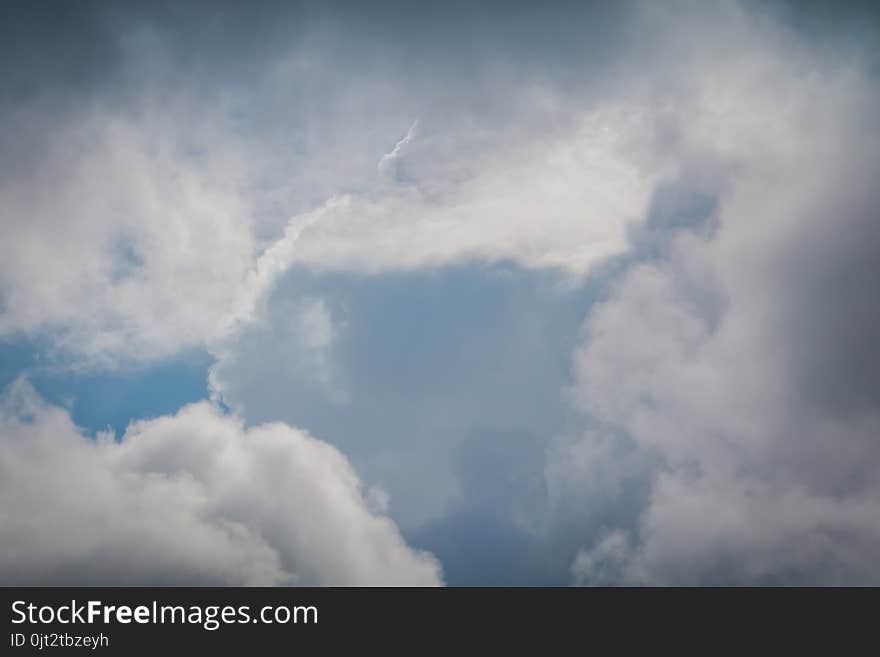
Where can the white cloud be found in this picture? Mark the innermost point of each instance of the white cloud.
(387, 161)
(118, 222)
(126, 210)
(561, 201)
(193, 498)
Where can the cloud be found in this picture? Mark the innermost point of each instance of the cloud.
(556, 202)
(191, 498)
(387, 161)
(703, 172)
(114, 223)
(171, 173)
(740, 355)
(724, 364)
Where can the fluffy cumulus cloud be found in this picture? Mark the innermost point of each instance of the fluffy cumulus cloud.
(193, 498)
(742, 358)
(105, 230)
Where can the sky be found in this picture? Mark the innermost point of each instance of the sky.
(464, 293)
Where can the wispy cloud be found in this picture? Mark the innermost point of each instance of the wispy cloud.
(388, 160)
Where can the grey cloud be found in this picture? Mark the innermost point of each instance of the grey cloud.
(742, 358)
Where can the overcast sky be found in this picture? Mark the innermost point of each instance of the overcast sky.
(423, 293)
